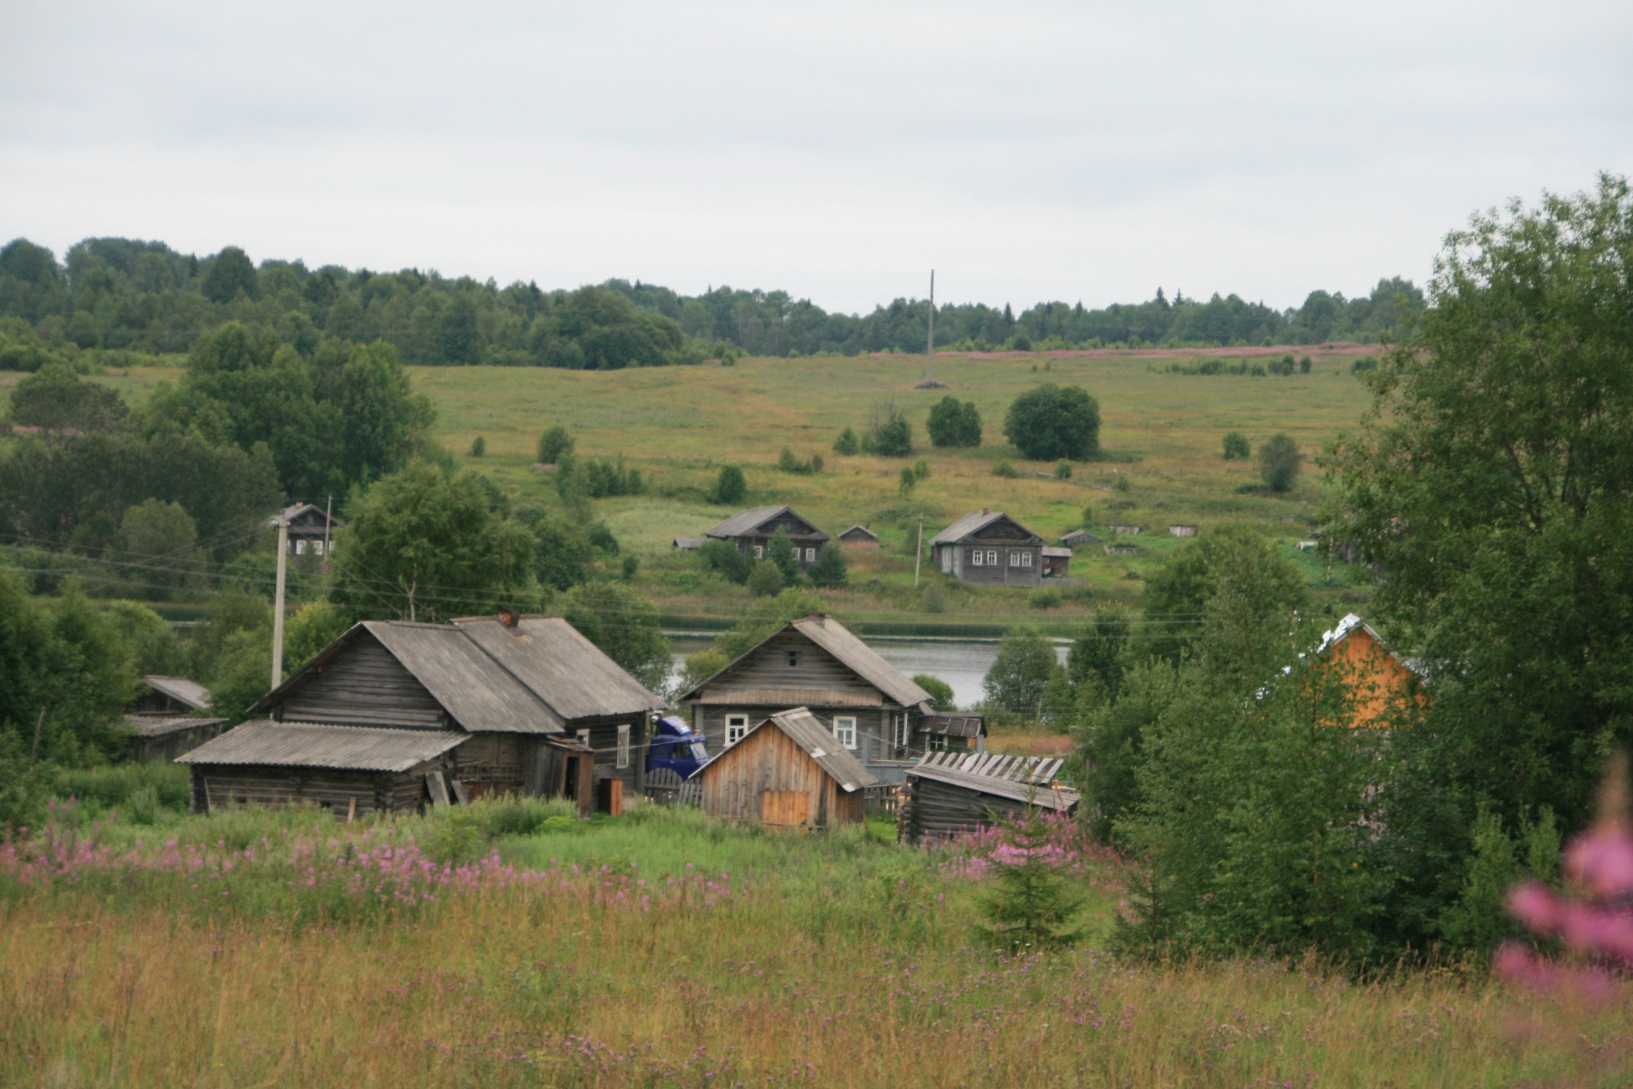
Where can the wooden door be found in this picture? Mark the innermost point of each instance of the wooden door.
(785, 808)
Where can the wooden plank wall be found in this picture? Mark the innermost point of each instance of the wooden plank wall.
(363, 685)
(710, 721)
(735, 785)
(219, 787)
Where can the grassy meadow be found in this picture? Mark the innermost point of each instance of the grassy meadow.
(1161, 434)
(510, 945)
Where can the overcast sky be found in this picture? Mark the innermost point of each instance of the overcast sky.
(1077, 151)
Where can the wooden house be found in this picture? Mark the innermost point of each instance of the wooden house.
(870, 708)
(787, 772)
(949, 794)
(859, 537)
(989, 548)
(686, 544)
(954, 731)
(1077, 538)
(1378, 680)
(311, 529)
(1055, 561)
(752, 530)
(524, 704)
(1182, 531)
(165, 719)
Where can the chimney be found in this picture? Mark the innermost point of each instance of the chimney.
(507, 619)
(985, 511)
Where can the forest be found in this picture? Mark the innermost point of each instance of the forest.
(123, 295)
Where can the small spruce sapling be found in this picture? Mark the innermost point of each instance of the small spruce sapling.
(1031, 908)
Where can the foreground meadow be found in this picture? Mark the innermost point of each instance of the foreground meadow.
(514, 946)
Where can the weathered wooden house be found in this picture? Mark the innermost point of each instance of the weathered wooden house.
(868, 706)
(518, 705)
(165, 719)
(859, 537)
(311, 529)
(1055, 561)
(752, 530)
(787, 771)
(1077, 538)
(954, 731)
(949, 794)
(989, 548)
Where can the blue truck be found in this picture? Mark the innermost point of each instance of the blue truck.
(676, 747)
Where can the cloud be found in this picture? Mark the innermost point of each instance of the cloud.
(1028, 150)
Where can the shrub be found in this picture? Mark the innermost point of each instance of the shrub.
(845, 445)
(1021, 671)
(908, 480)
(889, 434)
(1279, 462)
(554, 445)
(1050, 422)
(788, 463)
(1236, 447)
(479, 447)
(941, 693)
(829, 569)
(1005, 469)
(1063, 470)
(1046, 597)
(632, 564)
(921, 470)
(1360, 366)
(781, 552)
(1122, 483)
(1030, 908)
(766, 579)
(1304, 365)
(597, 478)
(952, 424)
(726, 558)
(1282, 366)
(730, 486)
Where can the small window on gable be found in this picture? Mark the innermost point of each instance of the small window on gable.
(736, 728)
(759, 552)
(584, 738)
(793, 658)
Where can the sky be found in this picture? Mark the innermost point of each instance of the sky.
(839, 151)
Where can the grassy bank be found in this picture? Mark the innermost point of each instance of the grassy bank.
(625, 952)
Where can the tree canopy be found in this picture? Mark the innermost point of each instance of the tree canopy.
(1050, 422)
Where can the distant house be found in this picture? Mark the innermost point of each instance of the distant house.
(164, 720)
(310, 529)
(1055, 561)
(866, 704)
(1378, 680)
(1126, 531)
(1182, 531)
(859, 537)
(787, 771)
(989, 548)
(687, 544)
(1079, 537)
(508, 705)
(753, 529)
(949, 794)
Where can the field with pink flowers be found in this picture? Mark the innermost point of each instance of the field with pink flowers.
(514, 946)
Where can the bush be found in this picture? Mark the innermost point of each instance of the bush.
(829, 569)
(1236, 447)
(1004, 469)
(1051, 422)
(1282, 366)
(554, 445)
(941, 693)
(1021, 671)
(789, 463)
(730, 486)
(597, 478)
(934, 599)
(726, 558)
(1360, 366)
(1279, 462)
(1046, 597)
(479, 447)
(1122, 483)
(889, 434)
(766, 579)
(845, 445)
(952, 424)
(1304, 365)
(908, 481)
(1063, 470)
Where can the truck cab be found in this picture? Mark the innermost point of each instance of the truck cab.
(676, 747)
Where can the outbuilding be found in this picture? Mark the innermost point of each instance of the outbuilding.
(859, 537)
(787, 772)
(311, 529)
(950, 794)
(166, 719)
(1079, 537)
(1055, 561)
(1182, 531)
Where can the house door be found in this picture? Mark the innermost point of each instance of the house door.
(785, 808)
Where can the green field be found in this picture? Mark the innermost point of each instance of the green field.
(1161, 431)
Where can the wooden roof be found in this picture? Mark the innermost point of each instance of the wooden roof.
(307, 519)
(971, 524)
(1057, 553)
(1018, 778)
(819, 743)
(305, 745)
(161, 725)
(751, 522)
(955, 724)
(859, 533)
(568, 672)
(1079, 536)
(837, 640)
(180, 689)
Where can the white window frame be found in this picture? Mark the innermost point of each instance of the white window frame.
(584, 738)
(810, 555)
(992, 557)
(736, 729)
(1026, 559)
(623, 745)
(759, 552)
(976, 558)
(904, 736)
(845, 730)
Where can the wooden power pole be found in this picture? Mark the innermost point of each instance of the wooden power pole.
(918, 553)
(930, 343)
(278, 600)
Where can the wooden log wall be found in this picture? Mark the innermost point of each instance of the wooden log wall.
(219, 787)
(935, 810)
(363, 685)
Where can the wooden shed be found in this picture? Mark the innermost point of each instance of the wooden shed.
(949, 794)
(166, 719)
(1079, 537)
(859, 537)
(1182, 530)
(1055, 562)
(789, 771)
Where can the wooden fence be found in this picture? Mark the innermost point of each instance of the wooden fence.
(665, 785)
(880, 800)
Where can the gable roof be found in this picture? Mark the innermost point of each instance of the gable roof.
(1079, 536)
(309, 513)
(851, 652)
(1057, 553)
(162, 725)
(859, 533)
(1018, 778)
(974, 523)
(819, 743)
(489, 679)
(180, 689)
(306, 745)
(744, 523)
(1353, 623)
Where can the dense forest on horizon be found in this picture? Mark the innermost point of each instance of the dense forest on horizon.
(117, 294)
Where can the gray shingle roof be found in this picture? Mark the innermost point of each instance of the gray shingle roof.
(837, 640)
(353, 748)
(181, 689)
(973, 523)
(746, 522)
(160, 725)
(561, 667)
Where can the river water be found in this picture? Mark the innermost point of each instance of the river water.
(962, 663)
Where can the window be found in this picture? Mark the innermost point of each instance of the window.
(977, 558)
(992, 557)
(300, 548)
(904, 736)
(845, 730)
(793, 658)
(1015, 555)
(810, 555)
(623, 744)
(584, 738)
(1026, 559)
(736, 728)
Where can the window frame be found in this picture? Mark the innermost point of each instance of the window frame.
(840, 731)
(977, 558)
(739, 723)
(623, 745)
(992, 557)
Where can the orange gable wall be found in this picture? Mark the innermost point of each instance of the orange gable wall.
(1376, 679)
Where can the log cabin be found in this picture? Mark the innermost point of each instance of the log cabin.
(787, 772)
(989, 548)
(951, 794)
(868, 705)
(311, 529)
(511, 705)
(751, 531)
(165, 719)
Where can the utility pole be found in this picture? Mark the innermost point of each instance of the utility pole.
(278, 599)
(328, 525)
(918, 554)
(930, 343)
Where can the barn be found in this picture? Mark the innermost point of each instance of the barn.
(164, 721)
(787, 772)
(949, 794)
(511, 705)
(1079, 537)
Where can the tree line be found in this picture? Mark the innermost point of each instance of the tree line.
(115, 295)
